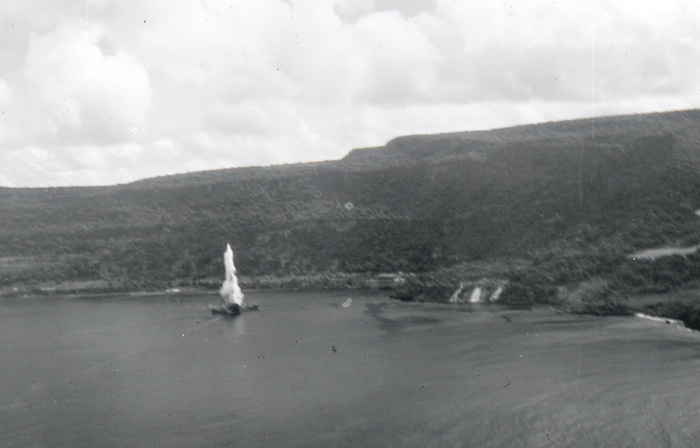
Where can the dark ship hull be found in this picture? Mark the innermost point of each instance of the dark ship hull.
(232, 310)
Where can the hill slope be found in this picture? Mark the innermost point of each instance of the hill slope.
(603, 186)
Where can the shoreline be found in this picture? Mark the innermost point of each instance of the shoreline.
(676, 323)
(671, 311)
(660, 319)
(22, 292)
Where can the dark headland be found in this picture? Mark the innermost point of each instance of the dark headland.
(554, 212)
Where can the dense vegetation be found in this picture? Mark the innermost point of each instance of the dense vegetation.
(571, 198)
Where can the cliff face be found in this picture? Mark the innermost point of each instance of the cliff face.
(419, 203)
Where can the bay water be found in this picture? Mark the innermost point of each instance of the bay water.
(150, 371)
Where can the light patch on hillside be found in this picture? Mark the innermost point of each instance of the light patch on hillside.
(659, 252)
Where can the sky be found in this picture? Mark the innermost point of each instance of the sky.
(97, 92)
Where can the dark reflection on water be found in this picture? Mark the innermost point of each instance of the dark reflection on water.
(160, 371)
(377, 311)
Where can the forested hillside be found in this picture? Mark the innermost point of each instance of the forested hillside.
(562, 193)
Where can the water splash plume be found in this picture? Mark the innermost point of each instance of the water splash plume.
(230, 291)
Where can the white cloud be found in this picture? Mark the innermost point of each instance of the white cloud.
(98, 92)
(401, 60)
(5, 93)
(353, 9)
(85, 92)
(5, 97)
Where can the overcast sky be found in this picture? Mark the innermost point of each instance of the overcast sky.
(106, 91)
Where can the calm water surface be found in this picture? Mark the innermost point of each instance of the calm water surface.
(160, 371)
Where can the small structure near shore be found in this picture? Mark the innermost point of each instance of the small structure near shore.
(478, 291)
(455, 297)
(497, 293)
(387, 281)
(476, 295)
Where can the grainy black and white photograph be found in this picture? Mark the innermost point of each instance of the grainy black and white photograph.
(349, 223)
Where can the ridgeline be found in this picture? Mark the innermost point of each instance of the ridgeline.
(551, 207)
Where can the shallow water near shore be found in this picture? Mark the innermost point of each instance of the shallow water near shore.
(161, 371)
